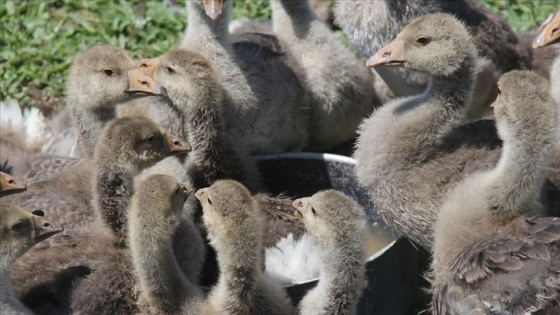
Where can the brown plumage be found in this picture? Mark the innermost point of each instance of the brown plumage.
(491, 255)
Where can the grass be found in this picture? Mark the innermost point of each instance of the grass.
(39, 39)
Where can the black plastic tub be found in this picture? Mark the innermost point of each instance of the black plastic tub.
(392, 272)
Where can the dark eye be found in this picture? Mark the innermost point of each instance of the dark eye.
(108, 72)
(423, 40)
(313, 211)
(150, 138)
(209, 201)
(169, 70)
(17, 227)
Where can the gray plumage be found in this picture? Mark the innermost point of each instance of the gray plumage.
(337, 225)
(490, 254)
(234, 223)
(154, 216)
(369, 25)
(20, 230)
(412, 151)
(126, 146)
(267, 109)
(194, 88)
(339, 86)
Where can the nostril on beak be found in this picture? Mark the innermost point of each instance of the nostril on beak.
(387, 54)
(144, 83)
(11, 181)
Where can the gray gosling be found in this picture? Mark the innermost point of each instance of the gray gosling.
(154, 215)
(267, 108)
(10, 185)
(126, 146)
(337, 225)
(412, 152)
(234, 223)
(195, 90)
(340, 88)
(370, 25)
(491, 255)
(20, 230)
(97, 83)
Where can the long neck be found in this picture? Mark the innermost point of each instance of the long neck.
(89, 120)
(522, 170)
(204, 34)
(340, 281)
(293, 18)
(212, 150)
(239, 268)
(114, 187)
(162, 282)
(426, 118)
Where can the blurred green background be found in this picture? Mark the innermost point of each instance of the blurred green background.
(39, 39)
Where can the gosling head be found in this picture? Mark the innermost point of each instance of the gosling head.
(100, 73)
(331, 218)
(137, 143)
(523, 104)
(20, 230)
(10, 185)
(159, 200)
(229, 212)
(550, 33)
(213, 8)
(436, 44)
(183, 74)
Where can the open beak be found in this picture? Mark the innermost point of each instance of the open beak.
(148, 66)
(213, 8)
(300, 204)
(550, 33)
(140, 83)
(10, 185)
(44, 228)
(390, 55)
(201, 194)
(175, 145)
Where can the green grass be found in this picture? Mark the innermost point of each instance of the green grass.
(39, 39)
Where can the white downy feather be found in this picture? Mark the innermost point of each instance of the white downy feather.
(292, 260)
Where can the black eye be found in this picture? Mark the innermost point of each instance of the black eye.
(169, 70)
(17, 227)
(209, 201)
(108, 72)
(313, 211)
(423, 40)
(150, 138)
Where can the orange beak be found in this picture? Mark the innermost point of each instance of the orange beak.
(550, 33)
(140, 83)
(148, 66)
(390, 55)
(175, 145)
(213, 8)
(10, 185)
(201, 194)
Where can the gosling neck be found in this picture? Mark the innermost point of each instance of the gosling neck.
(113, 189)
(340, 276)
(203, 32)
(293, 17)
(161, 279)
(239, 264)
(89, 118)
(521, 171)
